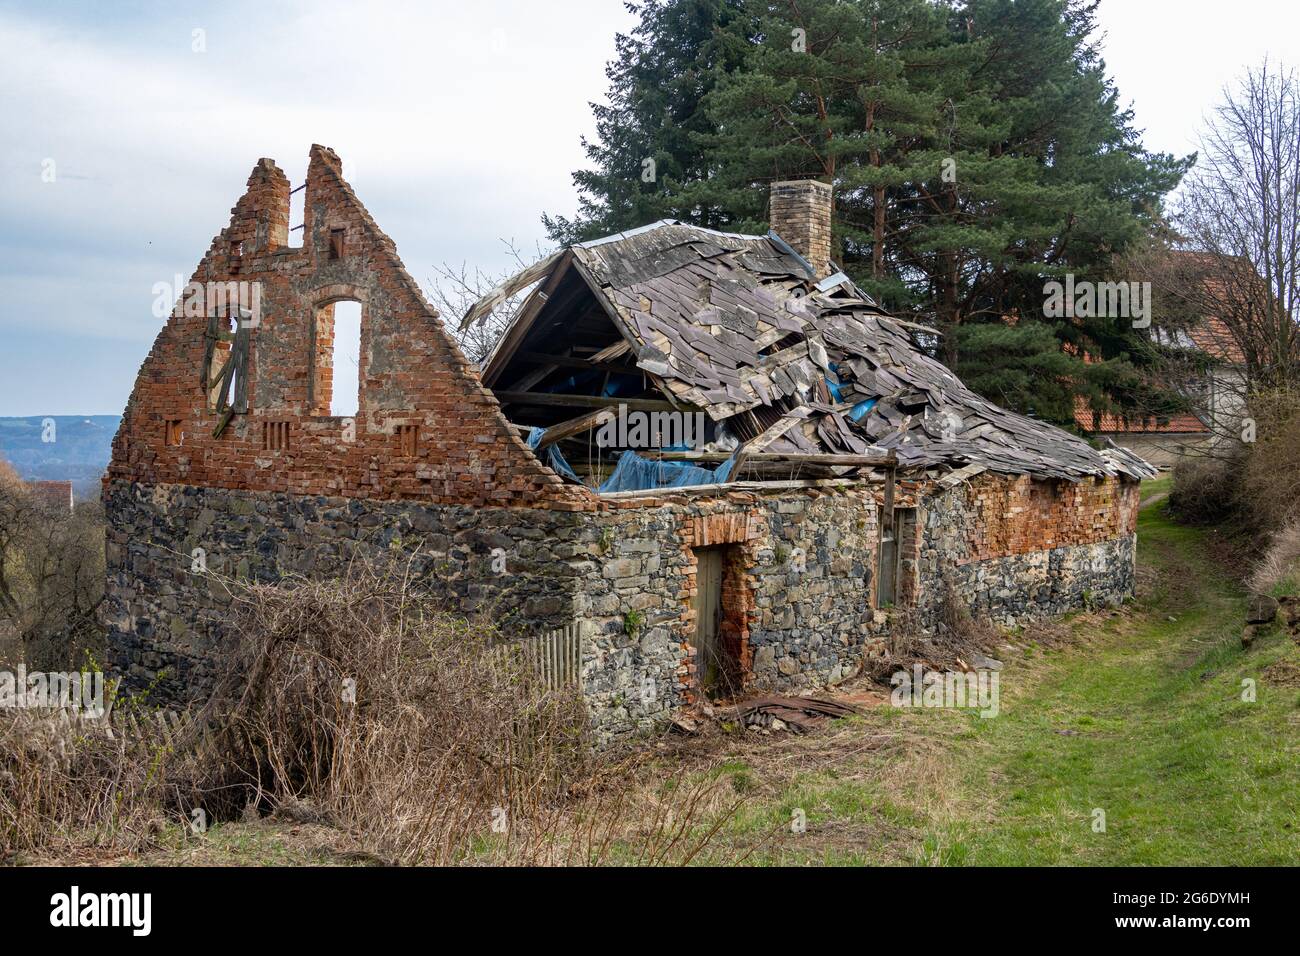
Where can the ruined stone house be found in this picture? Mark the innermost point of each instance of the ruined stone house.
(840, 473)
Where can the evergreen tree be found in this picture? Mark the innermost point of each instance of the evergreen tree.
(1051, 179)
(976, 149)
(664, 68)
(856, 94)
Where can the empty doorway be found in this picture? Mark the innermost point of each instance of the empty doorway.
(719, 623)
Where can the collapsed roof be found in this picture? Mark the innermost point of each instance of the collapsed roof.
(739, 327)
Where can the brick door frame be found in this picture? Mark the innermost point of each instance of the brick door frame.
(738, 533)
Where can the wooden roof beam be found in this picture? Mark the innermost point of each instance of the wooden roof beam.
(576, 426)
(581, 401)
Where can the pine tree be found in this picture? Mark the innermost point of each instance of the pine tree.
(1051, 179)
(856, 94)
(648, 134)
(975, 147)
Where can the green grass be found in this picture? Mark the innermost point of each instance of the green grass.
(1185, 770)
(1139, 714)
(1142, 718)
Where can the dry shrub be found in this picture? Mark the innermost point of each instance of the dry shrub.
(957, 628)
(1271, 473)
(1254, 484)
(1279, 567)
(954, 633)
(364, 701)
(51, 579)
(1206, 490)
(69, 783)
(359, 704)
(1252, 489)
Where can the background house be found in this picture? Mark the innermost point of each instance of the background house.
(1211, 376)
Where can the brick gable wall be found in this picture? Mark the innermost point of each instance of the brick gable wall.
(412, 373)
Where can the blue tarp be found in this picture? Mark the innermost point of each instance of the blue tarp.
(552, 457)
(860, 409)
(833, 386)
(634, 473)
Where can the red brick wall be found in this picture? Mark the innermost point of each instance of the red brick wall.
(411, 372)
(1017, 515)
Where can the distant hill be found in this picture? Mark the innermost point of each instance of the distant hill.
(79, 453)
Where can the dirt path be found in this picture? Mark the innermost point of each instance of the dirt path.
(1127, 740)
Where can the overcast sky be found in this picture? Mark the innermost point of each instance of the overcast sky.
(458, 124)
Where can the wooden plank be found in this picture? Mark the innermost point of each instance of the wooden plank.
(620, 321)
(621, 347)
(225, 420)
(523, 321)
(521, 280)
(581, 401)
(771, 434)
(829, 460)
(887, 507)
(575, 426)
(527, 381)
(571, 361)
(714, 489)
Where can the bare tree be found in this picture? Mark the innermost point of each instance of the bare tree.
(453, 290)
(1226, 273)
(51, 577)
(1240, 214)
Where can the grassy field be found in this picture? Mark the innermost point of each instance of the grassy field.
(1135, 713)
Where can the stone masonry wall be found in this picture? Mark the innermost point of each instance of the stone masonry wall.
(800, 582)
(805, 556)
(168, 623)
(1018, 548)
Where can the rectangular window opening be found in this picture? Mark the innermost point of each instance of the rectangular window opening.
(336, 243)
(297, 216)
(174, 435)
(336, 373)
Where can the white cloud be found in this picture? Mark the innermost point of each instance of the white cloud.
(458, 124)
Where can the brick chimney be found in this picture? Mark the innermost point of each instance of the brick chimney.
(801, 215)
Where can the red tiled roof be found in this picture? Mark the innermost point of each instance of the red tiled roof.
(1212, 337)
(1091, 421)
